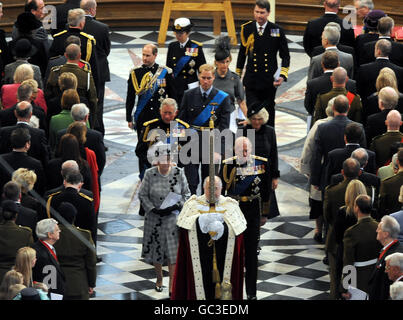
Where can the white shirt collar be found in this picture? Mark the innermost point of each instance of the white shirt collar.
(259, 26)
(183, 44)
(386, 58)
(399, 278)
(50, 246)
(331, 48)
(330, 12)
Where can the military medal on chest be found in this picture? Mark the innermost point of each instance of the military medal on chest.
(193, 52)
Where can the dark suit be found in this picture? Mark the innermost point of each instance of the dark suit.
(12, 238)
(314, 29)
(100, 31)
(379, 282)
(367, 74)
(39, 144)
(28, 218)
(7, 116)
(376, 125)
(95, 142)
(62, 11)
(41, 270)
(372, 106)
(22, 160)
(188, 73)
(337, 156)
(389, 195)
(396, 56)
(360, 42)
(78, 263)
(192, 106)
(321, 85)
(329, 136)
(262, 64)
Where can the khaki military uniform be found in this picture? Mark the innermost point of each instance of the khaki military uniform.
(382, 144)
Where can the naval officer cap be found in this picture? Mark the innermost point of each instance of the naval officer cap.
(182, 25)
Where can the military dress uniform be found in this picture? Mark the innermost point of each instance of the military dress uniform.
(250, 184)
(85, 85)
(12, 238)
(185, 63)
(151, 85)
(152, 133)
(85, 218)
(87, 48)
(260, 50)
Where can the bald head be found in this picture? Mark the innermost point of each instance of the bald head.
(23, 111)
(68, 167)
(387, 98)
(339, 77)
(340, 105)
(73, 52)
(393, 120)
(351, 168)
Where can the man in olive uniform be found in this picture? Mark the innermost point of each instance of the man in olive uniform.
(248, 181)
(184, 57)
(76, 22)
(77, 258)
(86, 217)
(12, 237)
(260, 42)
(85, 82)
(151, 83)
(159, 130)
(390, 189)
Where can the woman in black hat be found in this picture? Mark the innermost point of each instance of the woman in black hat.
(225, 79)
(26, 25)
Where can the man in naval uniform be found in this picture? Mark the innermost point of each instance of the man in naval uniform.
(184, 57)
(159, 129)
(151, 83)
(197, 106)
(248, 181)
(210, 241)
(76, 23)
(260, 42)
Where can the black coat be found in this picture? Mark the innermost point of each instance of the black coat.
(314, 29)
(22, 160)
(371, 106)
(7, 116)
(321, 85)
(28, 218)
(368, 73)
(396, 56)
(62, 11)
(360, 42)
(379, 282)
(42, 269)
(39, 143)
(100, 31)
(85, 217)
(95, 142)
(376, 125)
(329, 136)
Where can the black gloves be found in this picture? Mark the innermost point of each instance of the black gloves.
(166, 211)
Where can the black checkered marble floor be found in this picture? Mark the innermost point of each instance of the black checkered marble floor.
(290, 261)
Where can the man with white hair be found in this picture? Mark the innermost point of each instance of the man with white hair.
(330, 40)
(47, 268)
(248, 180)
(396, 291)
(363, 7)
(387, 100)
(210, 238)
(394, 266)
(387, 233)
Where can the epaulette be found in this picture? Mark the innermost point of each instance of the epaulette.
(55, 68)
(145, 124)
(84, 230)
(85, 196)
(168, 69)
(197, 42)
(88, 36)
(60, 33)
(259, 158)
(25, 228)
(230, 159)
(183, 123)
(55, 57)
(54, 193)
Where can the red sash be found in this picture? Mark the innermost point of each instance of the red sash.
(350, 96)
(49, 249)
(386, 249)
(92, 162)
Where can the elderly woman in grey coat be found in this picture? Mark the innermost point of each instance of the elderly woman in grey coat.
(160, 239)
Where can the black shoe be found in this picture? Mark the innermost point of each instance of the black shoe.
(93, 294)
(318, 237)
(249, 297)
(326, 260)
(99, 259)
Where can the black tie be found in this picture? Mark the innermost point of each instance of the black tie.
(204, 96)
